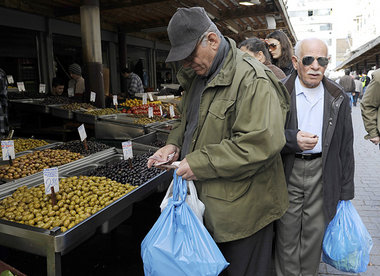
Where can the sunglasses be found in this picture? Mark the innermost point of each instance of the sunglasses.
(273, 46)
(308, 60)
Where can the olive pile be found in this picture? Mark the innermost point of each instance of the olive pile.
(103, 111)
(143, 120)
(77, 106)
(121, 171)
(158, 143)
(78, 198)
(37, 161)
(77, 146)
(26, 144)
(56, 100)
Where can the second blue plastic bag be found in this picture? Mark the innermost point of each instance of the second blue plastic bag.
(347, 243)
(178, 243)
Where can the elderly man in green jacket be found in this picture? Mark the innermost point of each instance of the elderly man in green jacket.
(370, 106)
(229, 140)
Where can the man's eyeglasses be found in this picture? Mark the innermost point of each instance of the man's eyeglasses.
(308, 60)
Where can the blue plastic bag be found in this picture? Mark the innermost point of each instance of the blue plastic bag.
(347, 243)
(178, 243)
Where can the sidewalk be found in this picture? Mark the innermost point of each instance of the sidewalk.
(367, 194)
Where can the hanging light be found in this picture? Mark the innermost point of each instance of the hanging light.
(250, 2)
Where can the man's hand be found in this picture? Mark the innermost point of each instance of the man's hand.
(161, 155)
(185, 171)
(375, 140)
(306, 140)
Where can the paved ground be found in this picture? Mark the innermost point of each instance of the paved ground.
(367, 194)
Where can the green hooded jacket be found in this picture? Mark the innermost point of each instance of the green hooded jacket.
(370, 107)
(235, 150)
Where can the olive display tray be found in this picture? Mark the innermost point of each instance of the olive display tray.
(53, 243)
(57, 111)
(151, 137)
(32, 105)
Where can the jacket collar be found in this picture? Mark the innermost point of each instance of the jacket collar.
(330, 86)
(225, 76)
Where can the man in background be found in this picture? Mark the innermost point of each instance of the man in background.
(370, 107)
(132, 83)
(77, 81)
(57, 87)
(348, 84)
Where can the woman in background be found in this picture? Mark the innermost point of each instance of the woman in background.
(281, 50)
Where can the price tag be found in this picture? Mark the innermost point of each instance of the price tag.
(144, 98)
(8, 149)
(10, 79)
(150, 96)
(70, 91)
(161, 111)
(150, 112)
(92, 96)
(127, 150)
(82, 132)
(42, 88)
(20, 86)
(51, 180)
(171, 110)
(114, 98)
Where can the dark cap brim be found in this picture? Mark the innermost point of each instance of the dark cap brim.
(180, 52)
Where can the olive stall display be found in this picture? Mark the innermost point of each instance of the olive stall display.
(57, 100)
(134, 172)
(102, 111)
(34, 162)
(77, 106)
(21, 144)
(77, 146)
(77, 199)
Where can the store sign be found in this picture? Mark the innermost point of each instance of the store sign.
(161, 113)
(82, 132)
(51, 180)
(92, 96)
(42, 88)
(150, 97)
(8, 149)
(10, 79)
(127, 150)
(70, 91)
(150, 112)
(114, 98)
(20, 86)
(144, 98)
(171, 110)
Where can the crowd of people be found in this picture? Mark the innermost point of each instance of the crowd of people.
(267, 139)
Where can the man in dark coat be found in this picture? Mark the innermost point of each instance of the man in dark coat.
(318, 160)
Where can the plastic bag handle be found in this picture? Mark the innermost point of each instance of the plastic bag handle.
(179, 189)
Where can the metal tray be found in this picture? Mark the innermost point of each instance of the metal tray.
(125, 119)
(152, 137)
(61, 113)
(166, 126)
(54, 243)
(32, 105)
(109, 130)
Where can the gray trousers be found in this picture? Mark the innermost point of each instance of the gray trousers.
(299, 233)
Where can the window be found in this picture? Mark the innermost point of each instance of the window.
(325, 27)
(310, 13)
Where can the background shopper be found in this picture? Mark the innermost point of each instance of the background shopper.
(281, 50)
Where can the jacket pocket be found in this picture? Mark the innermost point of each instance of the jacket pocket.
(226, 190)
(219, 108)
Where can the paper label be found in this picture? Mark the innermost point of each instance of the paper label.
(150, 112)
(10, 79)
(114, 98)
(150, 96)
(144, 98)
(171, 110)
(82, 132)
(70, 91)
(161, 111)
(42, 88)
(8, 149)
(127, 150)
(51, 180)
(92, 96)
(20, 86)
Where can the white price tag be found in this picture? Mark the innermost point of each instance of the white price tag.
(127, 150)
(144, 98)
(20, 86)
(10, 79)
(150, 112)
(82, 132)
(161, 111)
(92, 96)
(114, 98)
(8, 149)
(70, 91)
(51, 180)
(42, 88)
(171, 110)
(150, 96)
